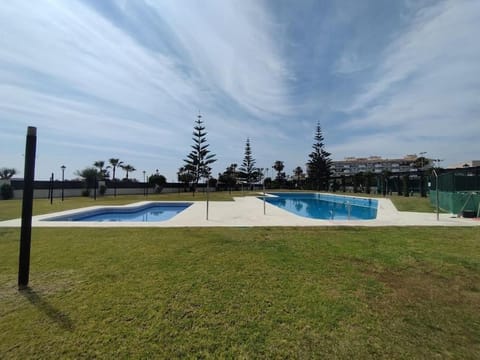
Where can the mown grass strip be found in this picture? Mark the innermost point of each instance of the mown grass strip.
(243, 292)
(11, 209)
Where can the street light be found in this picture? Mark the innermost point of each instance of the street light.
(63, 167)
(423, 192)
(144, 184)
(264, 208)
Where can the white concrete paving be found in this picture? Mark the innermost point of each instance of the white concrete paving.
(248, 212)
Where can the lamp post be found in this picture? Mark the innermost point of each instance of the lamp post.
(51, 189)
(264, 208)
(437, 196)
(423, 193)
(207, 179)
(144, 184)
(267, 172)
(63, 167)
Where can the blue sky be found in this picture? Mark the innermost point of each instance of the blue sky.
(126, 79)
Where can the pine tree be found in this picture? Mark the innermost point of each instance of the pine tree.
(318, 167)
(248, 172)
(199, 159)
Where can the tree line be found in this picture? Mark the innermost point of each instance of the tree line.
(198, 162)
(197, 165)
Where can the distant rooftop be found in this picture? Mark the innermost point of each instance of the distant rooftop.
(464, 164)
(409, 157)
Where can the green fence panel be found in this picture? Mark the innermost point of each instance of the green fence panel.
(456, 202)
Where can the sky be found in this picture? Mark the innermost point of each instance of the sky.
(127, 79)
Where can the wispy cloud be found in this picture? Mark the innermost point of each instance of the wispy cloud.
(232, 47)
(126, 79)
(426, 86)
(75, 71)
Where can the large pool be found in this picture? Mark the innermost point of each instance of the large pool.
(151, 212)
(325, 206)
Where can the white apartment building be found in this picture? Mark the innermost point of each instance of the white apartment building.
(373, 164)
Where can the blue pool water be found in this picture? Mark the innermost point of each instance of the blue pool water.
(325, 206)
(143, 213)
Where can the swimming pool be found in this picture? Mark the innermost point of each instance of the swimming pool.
(151, 212)
(325, 206)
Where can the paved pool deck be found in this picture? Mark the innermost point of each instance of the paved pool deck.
(249, 212)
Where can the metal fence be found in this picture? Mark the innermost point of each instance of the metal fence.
(458, 191)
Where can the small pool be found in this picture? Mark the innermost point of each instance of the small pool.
(143, 213)
(325, 206)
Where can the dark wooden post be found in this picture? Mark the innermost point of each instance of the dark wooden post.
(51, 189)
(27, 206)
(63, 167)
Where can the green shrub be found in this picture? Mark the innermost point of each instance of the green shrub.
(7, 191)
(102, 190)
(86, 192)
(157, 181)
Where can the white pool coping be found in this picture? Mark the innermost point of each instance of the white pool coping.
(248, 211)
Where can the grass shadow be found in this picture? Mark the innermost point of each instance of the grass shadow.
(41, 304)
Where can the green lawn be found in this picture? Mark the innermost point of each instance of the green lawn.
(412, 203)
(240, 292)
(243, 293)
(11, 209)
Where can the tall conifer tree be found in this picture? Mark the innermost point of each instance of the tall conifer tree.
(199, 160)
(248, 172)
(319, 165)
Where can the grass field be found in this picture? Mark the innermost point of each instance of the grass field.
(358, 293)
(242, 292)
(11, 209)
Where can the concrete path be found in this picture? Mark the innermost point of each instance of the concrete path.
(248, 211)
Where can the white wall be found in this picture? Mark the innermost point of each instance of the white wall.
(57, 193)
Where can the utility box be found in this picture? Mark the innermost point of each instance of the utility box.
(469, 214)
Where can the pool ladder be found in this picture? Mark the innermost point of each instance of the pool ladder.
(349, 210)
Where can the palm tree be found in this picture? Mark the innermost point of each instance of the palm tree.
(278, 166)
(127, 169)
(298, 172)
(114, 163)
(102, 171)
(7, 173)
